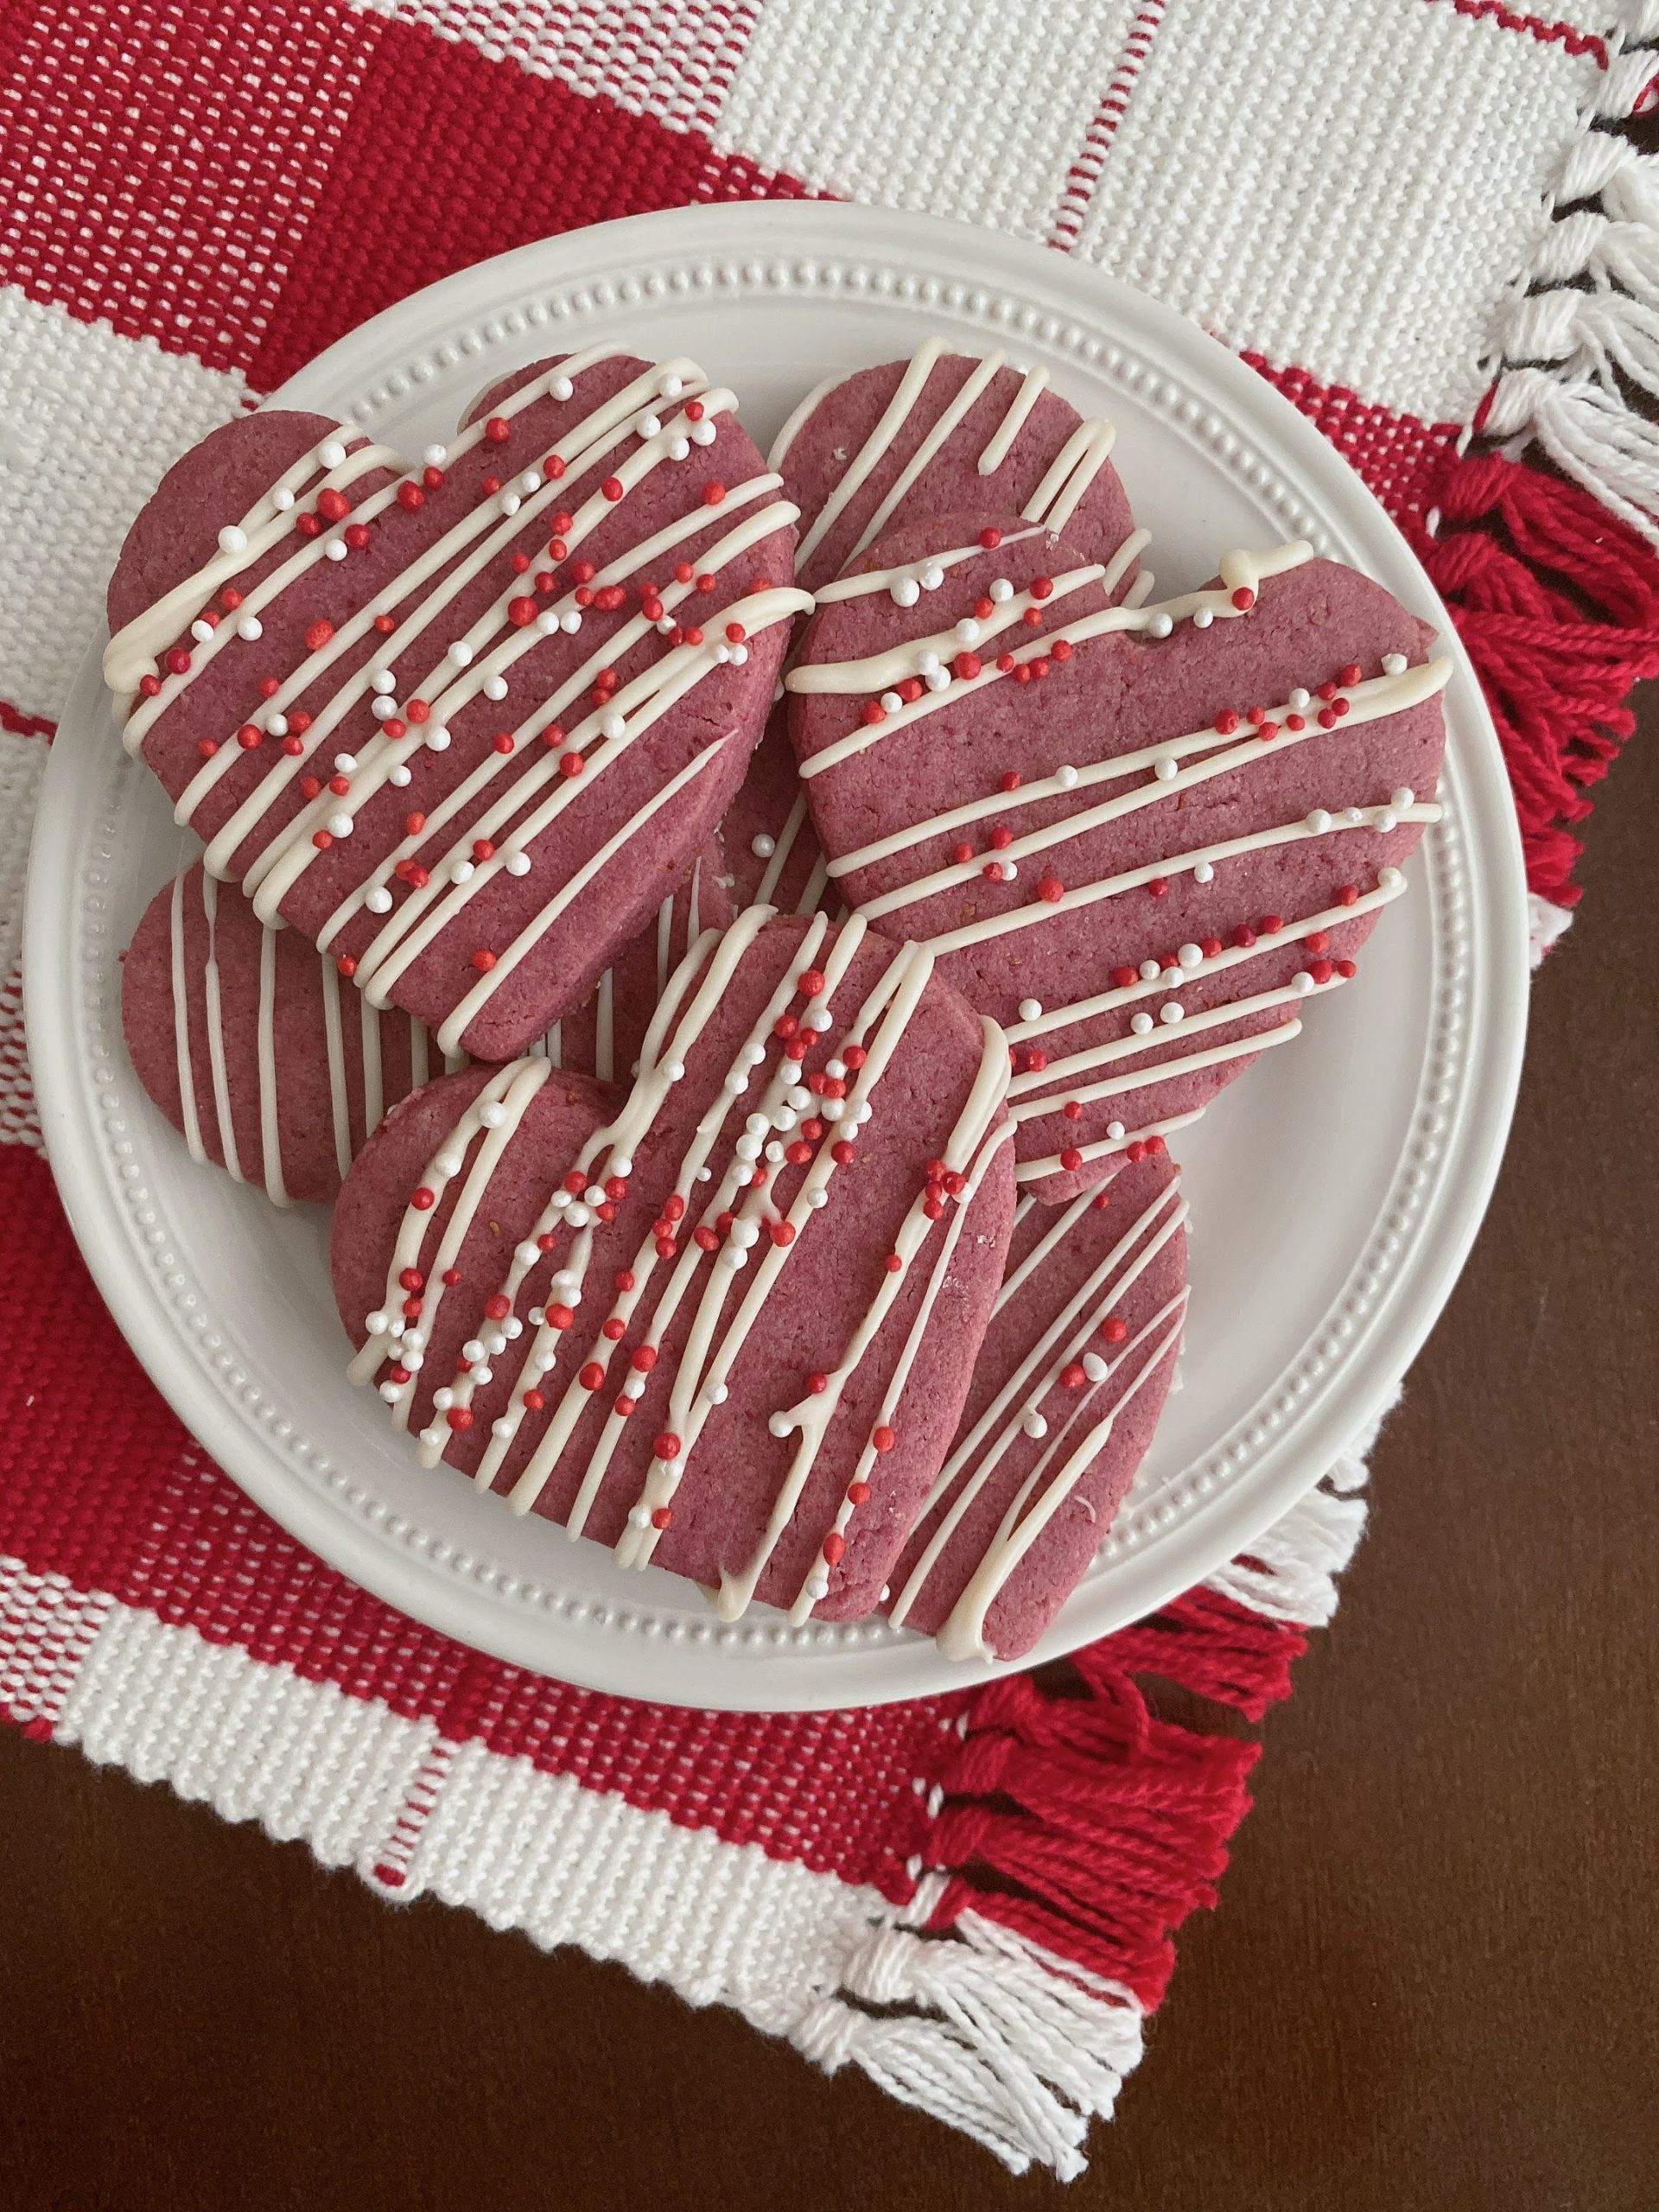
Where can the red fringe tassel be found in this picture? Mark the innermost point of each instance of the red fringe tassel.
(1557, 604)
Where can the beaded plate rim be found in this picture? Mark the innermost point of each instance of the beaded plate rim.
(990, 288)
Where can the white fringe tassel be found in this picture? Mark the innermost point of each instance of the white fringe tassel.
(1566, 355)
(998, 2037)
(1294, 1565)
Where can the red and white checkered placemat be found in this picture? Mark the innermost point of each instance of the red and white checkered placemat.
(1420, 219)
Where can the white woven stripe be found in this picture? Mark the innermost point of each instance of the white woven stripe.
(252, 1740)
(22, 761)
(989, 2032)
(950, 110)
(92, 421)
(1356, 200)
(671, 60)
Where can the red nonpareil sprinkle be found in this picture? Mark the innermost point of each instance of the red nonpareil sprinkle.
(591, 1375)
(992, 871)
(984, 609)
(1072, 1109)
(411, 498)
(1061, 649)
(269, 685)
(735, 632)
(843, 1152)
(483, 960)
(1001, 836)
(874, 712)
(854, 1056)
(1010, 781)
(321, 840)
(990, 539)
(705, 1238)
(1070, 1159)
(345, 965)
(151, 685)
(307, 525)
(1123, 978)
(1348, 894)
(415, 876)
(666, 1247)
(498, 430)
(1244, 936)
(553, 467)
(1269, 923)
(695, 410)
(1051, 889)
(883, 1438)
(612, 487)
(532, 1401)
(858, 1493)
(571, 764)
(1321, 970)
(712, 492)
(646, 1358)
(932, 1205)
(707, 580)
(231, 598)
(1036, 1059)
(1294, 724)
(413, 824)
(249, 735)
(411, 1279)
(662, 1516)
(783, 1232)
(460, 1417)
(521, 611)
(332, 504)
(293, 747)
(385, 624)
(504, 740)
(483, 849)
(1327, 718)
(668, 1445)
(497, 1306)
(1346, 968)
(1156, 1144)
(1338, 708)
(1226, 722)
(1114, 1328)
(1005, 662)
(1072, 1376)
(423, 1199)
(962, 853)
(1244, 598)
(966, 666)
(835, 1546)
(1317, 941)
(625, 1405)
(895, 1264)
(417, 710)
(1157, 886)
(318, 634)
(1210, 946)
(490, 487)
(1042, 586)
(809, 982)
(1134, 1152)
(432, 476)
(561, 1317)
(1350, 674)
(797, 1153)
(1327, 690)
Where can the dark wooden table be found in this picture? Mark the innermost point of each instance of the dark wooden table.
(1431, 1983)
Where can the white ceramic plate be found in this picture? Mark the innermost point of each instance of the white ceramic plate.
(1335, 1191)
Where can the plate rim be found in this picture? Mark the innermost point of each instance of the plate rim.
(786, 1680)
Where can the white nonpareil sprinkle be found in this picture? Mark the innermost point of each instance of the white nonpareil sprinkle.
(1030, 1009)
(251, 628)
(1033, 1424)
(763, 846)
(232, 539)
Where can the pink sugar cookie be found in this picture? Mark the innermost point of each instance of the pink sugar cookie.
(450, 718)
(730, 1329)
(941, 434)
(1139, 839)
(1067, 1389)
(772, 850)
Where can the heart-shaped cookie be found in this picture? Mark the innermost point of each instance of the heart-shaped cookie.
(273, 1067)
(1137, 838)
(941, 433)
(729, 1326)
(451, 721)
(1067, 1389)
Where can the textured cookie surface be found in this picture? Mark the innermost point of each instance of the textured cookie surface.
(942, 433)
(730, 1329)
(1136, 838)
(772, 856)
(253, 1046)
(452, 721)
(1067, 1393)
